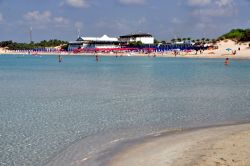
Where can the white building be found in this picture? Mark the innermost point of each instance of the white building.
(94, 42)
(142, 37)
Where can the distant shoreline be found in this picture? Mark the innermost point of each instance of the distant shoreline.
(226, 49)
(162, 55)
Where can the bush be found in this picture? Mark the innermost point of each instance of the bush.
(237, 35)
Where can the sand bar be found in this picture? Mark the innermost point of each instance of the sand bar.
(217, 146)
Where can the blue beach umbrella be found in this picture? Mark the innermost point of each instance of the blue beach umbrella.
(228, 49)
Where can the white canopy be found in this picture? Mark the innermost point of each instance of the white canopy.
(103, 38)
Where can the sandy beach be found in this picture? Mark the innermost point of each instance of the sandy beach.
(217, 146)
(221, 52)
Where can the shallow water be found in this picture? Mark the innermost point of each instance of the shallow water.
(57, 113)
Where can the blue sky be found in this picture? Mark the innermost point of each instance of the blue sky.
(165, 19)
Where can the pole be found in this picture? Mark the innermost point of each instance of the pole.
(31, 40)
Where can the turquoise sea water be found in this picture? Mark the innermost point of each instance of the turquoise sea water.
(49, 110)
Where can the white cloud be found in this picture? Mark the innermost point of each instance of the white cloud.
(209, 3)
(61, 20)
(36, 16)
(198, 2)
(222, 3)
(217, 12)
(77, 3)
(42, 19)
(132, 2)
(212, 8)
(123, 26)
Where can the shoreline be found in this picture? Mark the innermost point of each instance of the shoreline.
(226, 49)
(159, 55)
(212, 145)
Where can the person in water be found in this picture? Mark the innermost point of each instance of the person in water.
(96, 58)
(227, 61)
(59, 59)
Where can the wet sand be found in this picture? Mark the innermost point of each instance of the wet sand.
(217, 146)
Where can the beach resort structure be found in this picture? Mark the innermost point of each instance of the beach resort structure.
(110, 42)
(145, 38)
(94, 42)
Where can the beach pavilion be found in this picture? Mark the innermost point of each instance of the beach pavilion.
(95, 42)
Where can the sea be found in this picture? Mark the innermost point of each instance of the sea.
(70, 113)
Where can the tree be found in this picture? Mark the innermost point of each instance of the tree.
(173, 40)
(29, 46)
(135, 44)
(5, 43)
(236, 34)
(214, 41)
(246, 35)
(203, 40)
(156, 41)
(163, 42)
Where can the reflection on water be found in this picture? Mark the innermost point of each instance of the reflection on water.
(46, 106)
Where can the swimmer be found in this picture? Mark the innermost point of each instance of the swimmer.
(59, 59)
(227, 61)
(96, 58)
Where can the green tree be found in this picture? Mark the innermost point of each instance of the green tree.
(163, 42)
(173, 40)
(135, 44)
(156, 41)
(236, 34)
(214, 41)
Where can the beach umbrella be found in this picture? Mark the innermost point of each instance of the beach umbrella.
(228, 49)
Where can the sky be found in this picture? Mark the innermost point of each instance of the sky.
(164, 19)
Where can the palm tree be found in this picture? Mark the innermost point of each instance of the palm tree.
(179, 39)
(203, 40)
(207, 40)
